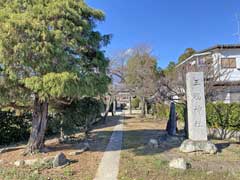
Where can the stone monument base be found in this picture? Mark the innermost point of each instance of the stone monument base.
(189, 146)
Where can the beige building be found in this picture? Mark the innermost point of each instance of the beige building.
(221, 66)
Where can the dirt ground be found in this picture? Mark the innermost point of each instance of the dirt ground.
(84, 166)
(139, 162)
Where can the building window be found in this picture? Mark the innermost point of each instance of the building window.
(201, 62)
(228, 63)
(208, 60)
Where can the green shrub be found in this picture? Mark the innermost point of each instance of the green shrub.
(14, 128)
(135, 102)
(80, 114)
(160, 111)
(180, 111)
(224, 116)
(219, 115)
(53, 125)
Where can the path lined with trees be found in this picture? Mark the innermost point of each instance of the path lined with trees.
(109, 166)
(57, 89)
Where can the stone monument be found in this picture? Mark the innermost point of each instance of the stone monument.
(197, 128)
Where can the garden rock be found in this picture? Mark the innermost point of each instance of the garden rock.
(31, 162)
(19, 163)
(153, 143)
(189, 146)
(178, 163)
(60, 160)
(1, 162)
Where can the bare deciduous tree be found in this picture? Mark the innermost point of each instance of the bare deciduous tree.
(141, 74)
(172, 84)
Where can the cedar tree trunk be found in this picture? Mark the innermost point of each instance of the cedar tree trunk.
(39, 123)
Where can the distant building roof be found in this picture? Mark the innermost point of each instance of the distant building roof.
(208, 50)
(223, 46)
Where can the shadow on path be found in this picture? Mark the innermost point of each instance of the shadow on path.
(135, 140)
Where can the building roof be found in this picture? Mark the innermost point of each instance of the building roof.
(194, 55)
(223, 46)
(208, 50)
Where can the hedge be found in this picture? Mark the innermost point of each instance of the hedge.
(135, 103)
(82, 113)
(161, 111)
(223, 116)
(219, 115)
(14, 128)
(77, 116)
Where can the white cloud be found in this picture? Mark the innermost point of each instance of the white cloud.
(128, 52)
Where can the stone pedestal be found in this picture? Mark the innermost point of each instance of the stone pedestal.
(189, 146)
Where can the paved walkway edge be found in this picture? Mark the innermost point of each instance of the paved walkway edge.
(109, 166)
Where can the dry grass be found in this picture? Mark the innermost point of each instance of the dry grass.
(138, 162)
(84, 167)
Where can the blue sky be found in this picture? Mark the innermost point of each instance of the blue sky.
(169, 26)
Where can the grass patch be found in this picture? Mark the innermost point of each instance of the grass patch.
(68, 172)
(42, 166)
(139, 162)
(19, 174)
(158, 163)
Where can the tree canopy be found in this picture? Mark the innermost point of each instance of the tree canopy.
(49, 50)
(187, 53)
(170, 68)
(49, 47)
(141, 74)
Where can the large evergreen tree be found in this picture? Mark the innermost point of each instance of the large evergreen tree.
(49, 52)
